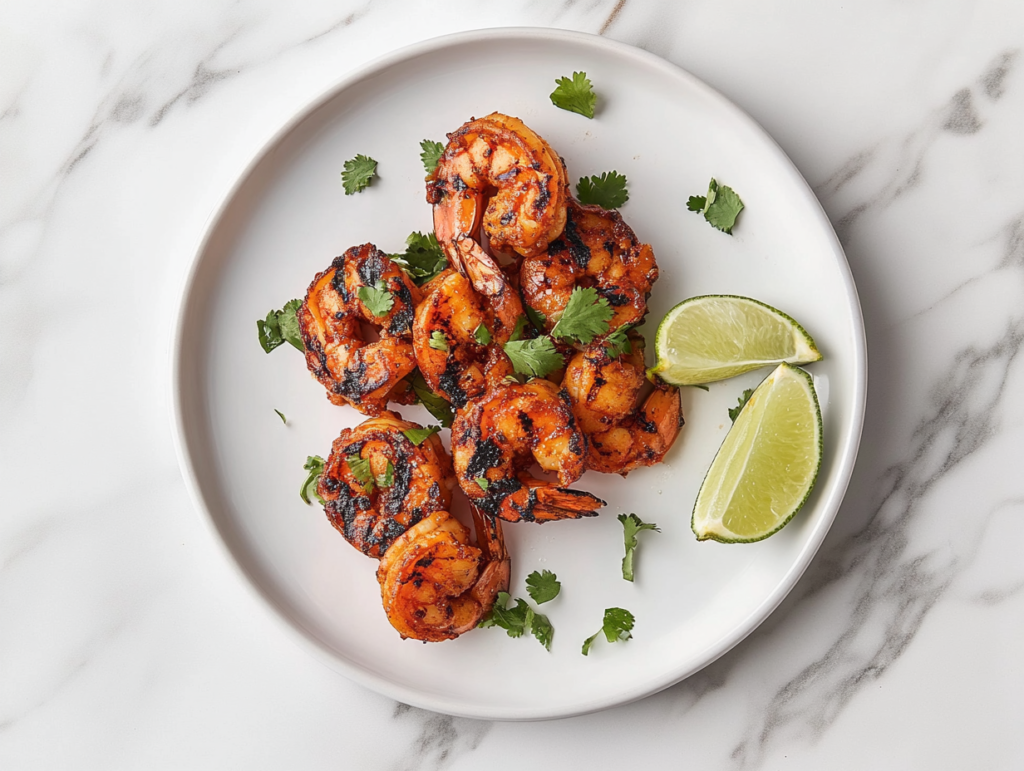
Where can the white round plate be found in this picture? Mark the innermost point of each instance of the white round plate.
(287, 217)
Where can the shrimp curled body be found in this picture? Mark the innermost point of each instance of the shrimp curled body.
(363, 374)
(435, 585)
(597, 249)
(497, 436)
(377, 483)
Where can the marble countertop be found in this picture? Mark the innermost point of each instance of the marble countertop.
(127, 641)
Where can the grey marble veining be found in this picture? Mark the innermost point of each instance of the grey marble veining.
(126, 643)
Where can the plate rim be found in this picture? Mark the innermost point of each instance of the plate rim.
(847, 451)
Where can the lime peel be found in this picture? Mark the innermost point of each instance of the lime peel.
(767, 465)
(713, 337)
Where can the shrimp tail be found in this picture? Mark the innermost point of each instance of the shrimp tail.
(495, 576)
(551, 503)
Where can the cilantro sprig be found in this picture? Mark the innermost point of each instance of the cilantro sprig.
(431, 154)
(617, 625)
(720, 207)
(585, 317)
(357, 174)
(575, 95)
(315, 466)
(520, 619)
(437, 341)
(281, 415)
(360, 468)
(734, 412)
(436, 405)
(618, 343)
(422, 259)
(607, 191)
(543, 586)
(419, 435)
(377, 298)
(281, 327)
(631, 526)
(534, 358)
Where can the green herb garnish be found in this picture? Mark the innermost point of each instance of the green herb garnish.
(734, 412)
(607, 191)
(377, 298)
(315, 466)
(358, 173)
(720, 207)
(519, 620)
(422, 259)
(543, 586)
(586, 316)
(437, 341)
(576, 95)
(617, 625)
(631, 525)
(419, 435)
(281, 327)
(534, 358)
(431, 154)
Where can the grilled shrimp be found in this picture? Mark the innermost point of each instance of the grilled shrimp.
(455, 331)
(500, 157)
(497, 436)
(354, 371)
(434, 584)
(377, 483)
(597, 249)
(605, 391)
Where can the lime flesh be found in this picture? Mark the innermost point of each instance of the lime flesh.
(714, 337)
(767, 465)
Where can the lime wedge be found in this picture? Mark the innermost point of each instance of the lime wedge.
(766, 466)
(714, 337)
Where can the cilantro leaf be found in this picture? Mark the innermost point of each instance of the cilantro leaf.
(419, 435)
(281, 415)
(281, 327)
(423, 257)
(518, 329)
(315, 466)
(720, 207)
(387, 478)
(607, 191)
(535, 358)
(537, 318)
(431, 154)
(436, 405)
(576, 95)
(631, 525)
(377, 298)
(543, 587)
(360, 468)
(519, 619)
(358, 173)
(734, 412)
(482, 335)
(617, 343)
(585, 316)
(483, 483)
(437, 341)
(617, 625)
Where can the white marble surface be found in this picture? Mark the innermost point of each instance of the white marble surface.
(126, 641)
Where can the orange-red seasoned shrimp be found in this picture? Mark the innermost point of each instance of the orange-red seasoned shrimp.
(377, 482)
(597, 249)
(604, 392)
(499, 163)
(497, 436)
(435, 584)
(454, 332)
(354, 371)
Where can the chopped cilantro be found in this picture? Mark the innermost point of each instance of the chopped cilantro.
(377, 298)
(360, 468)
(436, 405)
(422, 259)
(631, 525)
(519, 619)
(518, 329)
(387, 478)
(535, 358)
(281, 415)
(537, 318)
(482, 335)
(543, 586)
(734, 412)
(617, 625)
(617, 343)
(315, 466)
(576, 95)
(281, 327)
(419, 435)
(607, 191)
(437, 341)
(720, 207)
(585, 316)
(431, 154)
(482, 483)
(358, 173)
